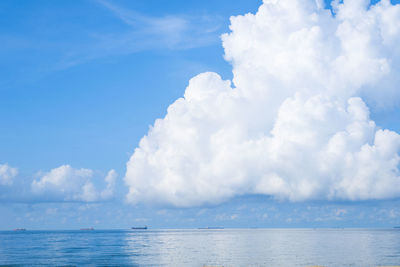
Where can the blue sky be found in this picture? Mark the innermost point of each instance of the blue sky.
(64, 91)
(82, 82)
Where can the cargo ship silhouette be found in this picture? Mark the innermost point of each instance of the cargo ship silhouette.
(139, 228)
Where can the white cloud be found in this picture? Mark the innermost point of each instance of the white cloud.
(7, 174)
(68, 184)
(296, 123)
(110, 180)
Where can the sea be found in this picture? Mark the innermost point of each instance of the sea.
(202, 247)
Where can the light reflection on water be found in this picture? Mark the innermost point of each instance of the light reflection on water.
(227, 247)
(267, 247)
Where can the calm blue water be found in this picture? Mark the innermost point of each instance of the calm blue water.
(228, 247)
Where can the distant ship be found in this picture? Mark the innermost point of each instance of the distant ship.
(19, 229)
(139, 228)
(211, 228)
(87, 229)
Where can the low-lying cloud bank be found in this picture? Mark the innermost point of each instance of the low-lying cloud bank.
(68, 184)
(7, 174)
(61, 184)
(295, 123)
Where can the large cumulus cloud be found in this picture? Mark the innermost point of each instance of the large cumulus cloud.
(294, 123)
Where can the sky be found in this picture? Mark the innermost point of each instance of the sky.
(180, 114)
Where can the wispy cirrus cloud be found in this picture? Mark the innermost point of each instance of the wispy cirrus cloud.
(142, 33)
(171, 31)
(118, 31)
